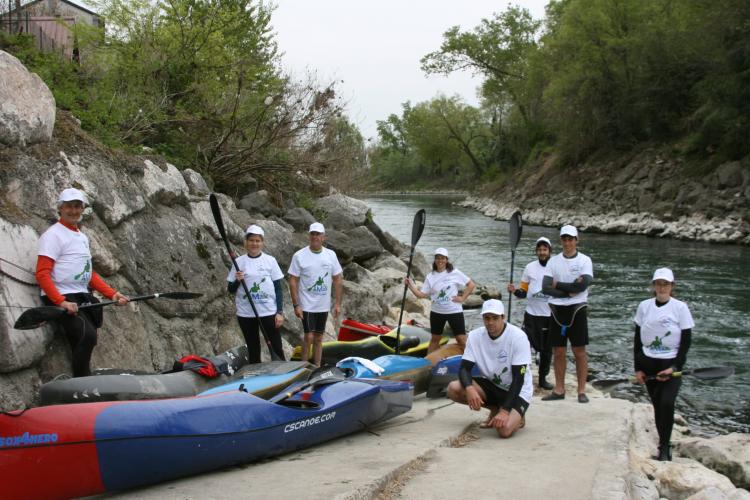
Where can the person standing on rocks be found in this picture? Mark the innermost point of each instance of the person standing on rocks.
(263, 277)
(502, 354)
(441, 287)
(314, 271)
(663, 330)
(566, 280)
(536, 317)
(65, 275)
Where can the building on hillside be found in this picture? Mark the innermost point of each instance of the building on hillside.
(51, 22)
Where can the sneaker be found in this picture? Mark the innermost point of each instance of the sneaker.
(553, 396)
(582, 398)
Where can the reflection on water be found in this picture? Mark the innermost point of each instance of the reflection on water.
(712, 279)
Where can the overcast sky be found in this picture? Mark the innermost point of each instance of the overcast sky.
(374, 46)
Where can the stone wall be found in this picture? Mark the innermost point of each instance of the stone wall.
(645, 193)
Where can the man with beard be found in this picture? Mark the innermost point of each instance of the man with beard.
(536, 317)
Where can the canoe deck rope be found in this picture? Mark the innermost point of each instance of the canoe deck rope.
(5, 270)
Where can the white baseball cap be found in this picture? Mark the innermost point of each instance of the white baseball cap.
(544, 240)
(569, 230)
(253, 229)
(663, 273)
(442, 251)
(493, 306)
(317, 227)
(72, 194)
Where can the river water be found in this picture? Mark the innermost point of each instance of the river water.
(712, 279)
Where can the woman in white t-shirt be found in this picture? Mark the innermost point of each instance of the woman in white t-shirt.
(66, 277)
(663, 330)
(441, 286)
(263, 278)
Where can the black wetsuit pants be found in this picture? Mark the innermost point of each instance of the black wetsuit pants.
(663, 396)
(80, 330)
(537, 330)
(250, 330)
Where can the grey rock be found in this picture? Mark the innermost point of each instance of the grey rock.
(165, 184)
(385, 238)
(728, 455)
(195, 182)
(341, 244)
(385, 260)
(299, 218)
(364, 244)
(344, 207)
(27, 107)
(729, 174)
(259, 202)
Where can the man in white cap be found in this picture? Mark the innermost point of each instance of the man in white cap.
(536, 317)
(566, 280)
(502, 354)
(313, 272)
(65, 275)
(263, 278)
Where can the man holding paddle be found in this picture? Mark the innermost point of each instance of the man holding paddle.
(566, 280)
(537, 316)
(65, 275)
(313, 272)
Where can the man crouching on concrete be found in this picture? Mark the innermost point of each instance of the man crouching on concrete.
(502, 354)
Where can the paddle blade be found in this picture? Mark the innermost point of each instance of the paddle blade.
(516, 228)
(606, 384)
(216, 211)
(38, 316)
(712, 373)
(418, 226)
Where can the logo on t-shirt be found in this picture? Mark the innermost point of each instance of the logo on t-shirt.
(442, 297)
(656, 345)
(497, 380)
(257, 294)
(85, 274)
(319, 287)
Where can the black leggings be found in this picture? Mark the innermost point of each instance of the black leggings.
(80, 330)
(663, 396)
(250, 330)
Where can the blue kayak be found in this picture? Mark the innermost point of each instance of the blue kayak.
(390, 367)
(90, 448)
(443, 373)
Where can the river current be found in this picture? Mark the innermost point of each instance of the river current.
(711, 278)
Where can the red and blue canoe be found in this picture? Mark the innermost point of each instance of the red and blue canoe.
(68, 451)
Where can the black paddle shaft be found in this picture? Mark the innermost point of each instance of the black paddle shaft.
(516, 228)
(416, 232)
(216, 210)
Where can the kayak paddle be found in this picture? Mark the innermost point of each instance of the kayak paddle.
(710, 373)
(416, 232)
(38, 316)
(216, 210)
(322, 376)
(516, 228)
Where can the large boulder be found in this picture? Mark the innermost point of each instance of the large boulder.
(340, 243)
(343, 210)
(164, 184)
(360, 303)
(728, 455)
(385, 238)
(27, 107)
(299, 218)
(364, 244)
(258, 202)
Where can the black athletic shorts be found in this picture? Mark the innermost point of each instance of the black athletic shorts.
(569, 323)
(314, 322)
(455, 320)
(496, 396)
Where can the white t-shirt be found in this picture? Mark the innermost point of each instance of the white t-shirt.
(661, 327)
(315, 272)
(536, 300)
(70, 251)
(566, 270)
(260, 273)
(495, 358)
(442, 287)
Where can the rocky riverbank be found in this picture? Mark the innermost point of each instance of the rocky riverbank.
(646, 193)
